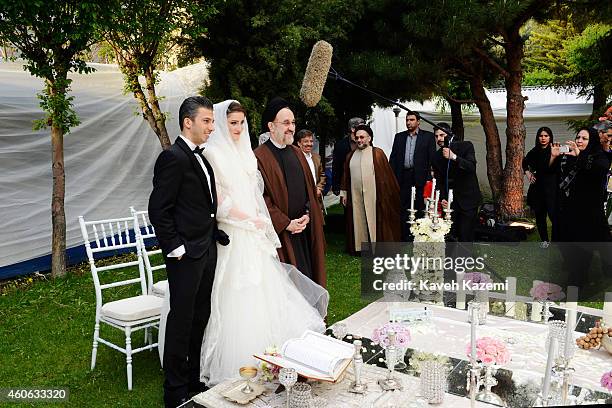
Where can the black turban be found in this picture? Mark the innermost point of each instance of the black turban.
(272, 108)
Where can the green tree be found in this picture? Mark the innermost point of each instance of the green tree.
(476, 41)
(565, 57)
(51, 37)
(142, 33)
(259, 48)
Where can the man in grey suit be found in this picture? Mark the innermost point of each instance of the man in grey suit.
(411, 159)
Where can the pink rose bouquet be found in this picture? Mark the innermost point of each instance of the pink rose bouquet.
(606, 380)
(490, 351)
(477, 277)
(402, 335)
(547, 291)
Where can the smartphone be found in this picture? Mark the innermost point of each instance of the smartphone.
(564, 149)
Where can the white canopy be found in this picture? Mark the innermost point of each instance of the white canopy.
(109, 157)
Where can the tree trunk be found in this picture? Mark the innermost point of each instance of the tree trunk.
(599, 101)
(457, 119)
(58, 216)
(493, 144)
(511, 200)
(130, 71)
(158, 115)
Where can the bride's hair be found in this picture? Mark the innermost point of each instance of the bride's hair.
(235, 107)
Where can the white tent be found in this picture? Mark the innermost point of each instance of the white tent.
(109, 157)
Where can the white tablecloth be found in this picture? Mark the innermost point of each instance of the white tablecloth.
(337, 395)
(449, 334)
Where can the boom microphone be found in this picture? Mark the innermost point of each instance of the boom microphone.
(319, 68)
(315, 76)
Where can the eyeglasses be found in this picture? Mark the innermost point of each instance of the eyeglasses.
(287, 123)
(585, 138)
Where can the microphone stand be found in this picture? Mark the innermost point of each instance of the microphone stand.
(335, 75)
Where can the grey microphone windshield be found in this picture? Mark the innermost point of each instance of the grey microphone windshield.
(316, 73)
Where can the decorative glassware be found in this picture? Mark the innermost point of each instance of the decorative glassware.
(546, 310)
(391, 355)
(248, 373)
(558, 330)
(339, 330)
(481, 310)
(357, 387)
(433, 381)
(301, 396)
(287, 377)
(489, 381)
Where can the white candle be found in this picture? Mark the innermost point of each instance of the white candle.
(450, 198)
(473, 332)
(412, 199)
(552, 351)
(570, 320)
(436, 201)
(433, 188)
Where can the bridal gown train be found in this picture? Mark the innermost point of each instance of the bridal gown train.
(255, 304)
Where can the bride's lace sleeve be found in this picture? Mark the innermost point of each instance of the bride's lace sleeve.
(228, 210)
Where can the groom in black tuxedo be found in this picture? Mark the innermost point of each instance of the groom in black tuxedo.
(182, 208)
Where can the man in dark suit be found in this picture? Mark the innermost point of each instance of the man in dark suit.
(457, 160)
(182, 208)
(342, 148)
(411, 159)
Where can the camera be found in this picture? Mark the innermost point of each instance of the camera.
(564, 149)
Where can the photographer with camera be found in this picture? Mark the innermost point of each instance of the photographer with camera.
(544, 184)
(455, 166)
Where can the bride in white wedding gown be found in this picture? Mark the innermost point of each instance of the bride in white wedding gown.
(256, 300)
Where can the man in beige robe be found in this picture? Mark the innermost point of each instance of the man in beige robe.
(370, 194)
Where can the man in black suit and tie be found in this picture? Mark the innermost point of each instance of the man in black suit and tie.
(411, 159)
(458, 160)
(182, 208)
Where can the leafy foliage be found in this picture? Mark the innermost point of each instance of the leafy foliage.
(143, 34)
(259, 49)
(51, 37)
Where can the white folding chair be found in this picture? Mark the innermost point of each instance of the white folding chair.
(129, 314)
(145, 230)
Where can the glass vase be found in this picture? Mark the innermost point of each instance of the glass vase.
(433, 381)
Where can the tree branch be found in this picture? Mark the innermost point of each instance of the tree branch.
(466, 101)
(503, 44)
(490, 61)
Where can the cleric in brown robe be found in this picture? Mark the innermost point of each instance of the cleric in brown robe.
(290, 194)
(370, 193)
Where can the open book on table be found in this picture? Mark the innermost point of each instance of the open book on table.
(314, 356)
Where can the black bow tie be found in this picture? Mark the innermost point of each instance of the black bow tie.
(198, 150)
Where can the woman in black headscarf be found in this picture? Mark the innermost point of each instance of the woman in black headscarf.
(583, 173)
(582, 222)
(544, 188)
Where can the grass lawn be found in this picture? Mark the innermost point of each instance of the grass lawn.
(46, 329)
